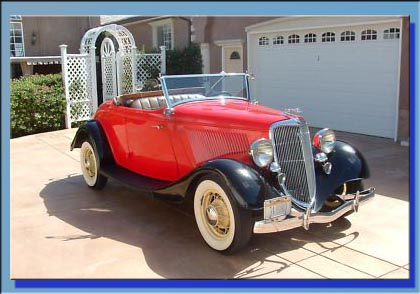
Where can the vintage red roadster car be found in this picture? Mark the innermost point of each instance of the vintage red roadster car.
(245, 168)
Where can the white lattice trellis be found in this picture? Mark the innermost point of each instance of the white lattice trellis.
(126, 75)
(124, 38)
(78, 84)
(109, 70)
(147, 66)
(79, 71)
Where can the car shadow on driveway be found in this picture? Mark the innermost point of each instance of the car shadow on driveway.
(168, 239)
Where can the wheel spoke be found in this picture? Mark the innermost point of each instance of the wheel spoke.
(216, 214)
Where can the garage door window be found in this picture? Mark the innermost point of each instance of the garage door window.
(310, 38)
(328, 37)
(278, 40)
(369, 35)
(392, 33)
(348, 36)
(263, 41)
(293, 39)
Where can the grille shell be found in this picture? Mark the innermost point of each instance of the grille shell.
(293, 153)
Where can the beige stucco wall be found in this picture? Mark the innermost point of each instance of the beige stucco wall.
(211, 29)
(142, 33)
(404, 108)
(52, 31)
(181, 33)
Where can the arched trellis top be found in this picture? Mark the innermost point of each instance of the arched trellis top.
(124, 38)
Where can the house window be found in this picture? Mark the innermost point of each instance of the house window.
(278, 40)
(392, 33)
(348, 36)
(17, 47)
(310, 38)
(293, 39)
(263, 41)
(328, 37)
(369, 35)
(235, 55)
(164, 36)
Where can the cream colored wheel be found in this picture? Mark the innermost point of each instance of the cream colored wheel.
(90, 166)
(336, 202)
(214, 215)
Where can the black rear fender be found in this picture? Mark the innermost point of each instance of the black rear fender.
(93, 131)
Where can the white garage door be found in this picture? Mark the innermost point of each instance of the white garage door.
(347, 85)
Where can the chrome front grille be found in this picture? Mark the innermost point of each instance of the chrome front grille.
(293, 153)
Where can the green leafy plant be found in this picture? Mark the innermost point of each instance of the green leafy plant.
(178, 61)
(37, 104)
(184, 61)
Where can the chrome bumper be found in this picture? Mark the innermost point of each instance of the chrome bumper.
(298, 219)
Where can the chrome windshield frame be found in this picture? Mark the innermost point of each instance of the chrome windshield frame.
(222, 74)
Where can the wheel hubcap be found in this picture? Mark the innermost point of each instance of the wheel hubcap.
(90, 165)
(216, 214)
(212, 215)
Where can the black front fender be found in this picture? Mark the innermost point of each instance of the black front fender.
(347, 164)
(249, 188)
(93, 131)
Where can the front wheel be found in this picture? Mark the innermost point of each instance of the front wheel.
(224, 225)
(90, 166)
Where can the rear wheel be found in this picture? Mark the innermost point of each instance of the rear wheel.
(224, 225)
(90, 166)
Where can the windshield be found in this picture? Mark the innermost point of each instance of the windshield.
(189, 88)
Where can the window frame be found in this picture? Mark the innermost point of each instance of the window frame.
(348, 36)
(13, 36)
(310, 38)
(159, 24)
(234, 56)
(291, 39)
(279, 40)
(369, 35)
(263, 41)
(391, 35)
(328, 37)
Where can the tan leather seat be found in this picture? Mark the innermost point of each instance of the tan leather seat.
(179, 98)
(148, 103)
(153, 103)
(135, 104)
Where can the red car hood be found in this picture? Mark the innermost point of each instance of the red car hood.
(229, 113)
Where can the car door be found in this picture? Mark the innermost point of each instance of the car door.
(150, 144)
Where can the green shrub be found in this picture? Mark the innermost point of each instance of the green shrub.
(37, 104)
(178, 61)
(185, 61)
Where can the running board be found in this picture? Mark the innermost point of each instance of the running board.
(133, 180)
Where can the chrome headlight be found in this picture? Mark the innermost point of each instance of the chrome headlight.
(261, 152)
(324, 140)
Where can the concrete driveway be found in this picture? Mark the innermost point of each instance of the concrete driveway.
(62, 229)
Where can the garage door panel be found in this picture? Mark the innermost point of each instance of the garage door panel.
(351, 86)
(362, 92)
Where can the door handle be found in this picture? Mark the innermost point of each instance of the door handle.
(158, 127)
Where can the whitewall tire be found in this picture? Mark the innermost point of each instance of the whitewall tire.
(223, 225)
(90, 166)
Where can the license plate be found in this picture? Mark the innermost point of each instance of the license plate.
(277, 207)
